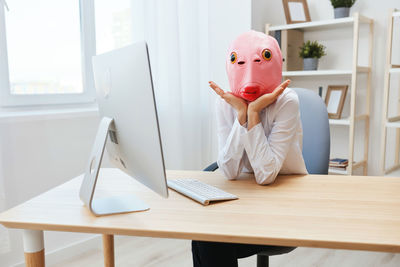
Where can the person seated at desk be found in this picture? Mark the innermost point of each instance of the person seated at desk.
(259, 130)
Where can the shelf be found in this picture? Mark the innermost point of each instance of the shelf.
(323, 72)
(346, 121)
(392, 169)
(393, 124)
(322, 24)
(356, 165)
(343, 121)
(393, 119)
(337, 171)
(316, 72)
(394, 70)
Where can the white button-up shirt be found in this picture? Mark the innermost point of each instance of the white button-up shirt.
(271, 147)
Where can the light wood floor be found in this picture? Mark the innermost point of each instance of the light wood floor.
(152, 252)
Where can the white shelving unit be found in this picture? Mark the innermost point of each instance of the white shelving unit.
(395, 69)
(390, 122)
(342, 121)
(336, 171)
(324, 72)
(353, 72)
(322, 24)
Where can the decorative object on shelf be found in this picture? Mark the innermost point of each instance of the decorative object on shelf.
(289, 41)
(311, 52)
(341, 8)
(334, 100)
(296, 11)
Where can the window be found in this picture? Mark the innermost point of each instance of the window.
(45, 52)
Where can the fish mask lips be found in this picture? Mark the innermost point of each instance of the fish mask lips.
(250, 92)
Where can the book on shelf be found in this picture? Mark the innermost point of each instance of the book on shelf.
(338, 163)
(336, 166)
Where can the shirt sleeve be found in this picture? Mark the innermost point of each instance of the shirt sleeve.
(267, 153)
(231, 149)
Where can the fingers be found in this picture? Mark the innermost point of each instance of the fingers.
(228, 96)
(279, 90)
(216, 88)
(275, 94)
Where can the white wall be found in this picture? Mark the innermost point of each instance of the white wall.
(37, 154)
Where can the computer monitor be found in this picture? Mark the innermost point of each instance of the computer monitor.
(128, 129)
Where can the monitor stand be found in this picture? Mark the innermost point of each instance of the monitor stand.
(107, 205)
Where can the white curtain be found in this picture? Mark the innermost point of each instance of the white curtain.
(177, 35)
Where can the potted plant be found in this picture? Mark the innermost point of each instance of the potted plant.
(341, 8)
(311, 52)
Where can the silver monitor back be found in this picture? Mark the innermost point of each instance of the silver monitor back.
(126, 98)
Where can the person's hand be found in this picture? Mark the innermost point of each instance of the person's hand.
(239, 104)
(265, 100)
(262, 102)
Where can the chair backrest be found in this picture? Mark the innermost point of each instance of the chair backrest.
(316, 135)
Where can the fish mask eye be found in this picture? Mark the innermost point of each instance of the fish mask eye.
(266, 54)
(233, 57)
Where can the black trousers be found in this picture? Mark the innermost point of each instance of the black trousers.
(216, 254)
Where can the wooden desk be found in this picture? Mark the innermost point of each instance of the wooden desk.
(346, 212)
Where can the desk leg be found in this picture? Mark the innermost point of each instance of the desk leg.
(108, 250)
(33, 248)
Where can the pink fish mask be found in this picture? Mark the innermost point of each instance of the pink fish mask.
(254, 65)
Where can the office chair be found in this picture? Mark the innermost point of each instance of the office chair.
(316, 150)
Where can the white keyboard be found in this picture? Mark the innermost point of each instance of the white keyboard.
(199, 191)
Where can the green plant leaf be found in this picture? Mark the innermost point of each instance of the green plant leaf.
(312, 50)
(342, 3)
